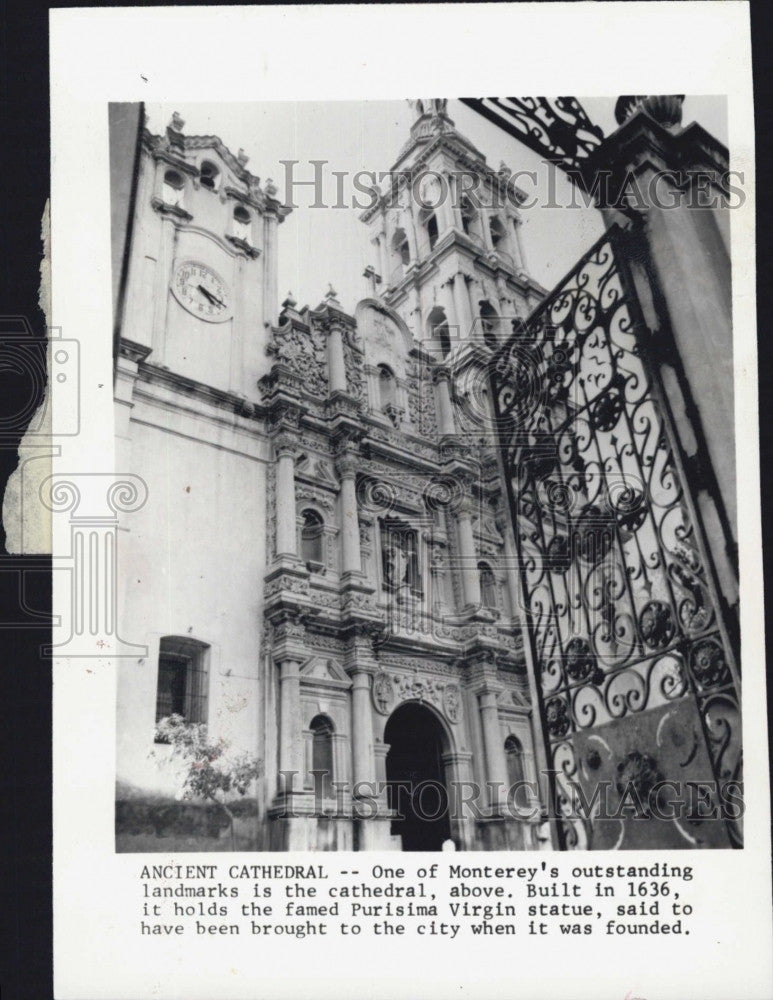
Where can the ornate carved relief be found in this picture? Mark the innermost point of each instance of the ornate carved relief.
(302, 351)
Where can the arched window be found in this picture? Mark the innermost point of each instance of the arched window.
(173, 188)
(312, 537)
(182, 683)
(514, 758)
(429, 222)
(322, 730)
(387, 388)
(401, 248)
(497, 230)
(469, 217)
(209, 175)
(489, 325)
(488, 585)
(438, 330)
(242, 224)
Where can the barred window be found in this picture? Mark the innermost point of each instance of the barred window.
(182, 679)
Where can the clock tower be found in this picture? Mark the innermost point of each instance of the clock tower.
(201, 287)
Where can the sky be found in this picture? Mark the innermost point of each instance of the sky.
(323, 246)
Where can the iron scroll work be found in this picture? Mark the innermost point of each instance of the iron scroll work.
(637, 680)
(557, 128)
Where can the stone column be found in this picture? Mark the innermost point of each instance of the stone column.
(517, 244)
(462, 305)
(496, 765)
(350, 529)
(335, 358)
(468, 557)
(270, 296)
(286, 529)
(441, 377)
(453, 209)
(380, 242)
(290, 736)
(511, 567)
(362, 727)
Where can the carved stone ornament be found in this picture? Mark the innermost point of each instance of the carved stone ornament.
(303, 352)
(452, 702)
(383, 693)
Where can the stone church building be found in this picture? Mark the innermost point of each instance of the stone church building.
(324, 572)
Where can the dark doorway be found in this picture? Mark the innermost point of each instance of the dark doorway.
(416, 776)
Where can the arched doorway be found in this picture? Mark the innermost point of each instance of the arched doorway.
(415, 772)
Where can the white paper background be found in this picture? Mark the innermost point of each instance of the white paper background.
(226, 54)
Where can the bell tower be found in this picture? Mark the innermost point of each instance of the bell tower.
(447, 235)
(201, 287)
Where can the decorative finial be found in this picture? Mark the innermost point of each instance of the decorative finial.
(429, 106)
(271, 188)
(289, 302)
(504, 170)
(242, 157)
(331, 294)
(177, 124)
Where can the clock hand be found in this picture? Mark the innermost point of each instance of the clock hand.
(212, 298)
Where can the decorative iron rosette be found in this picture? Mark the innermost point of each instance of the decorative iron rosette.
(708, 663)
(557, 717)
(607, 410)
(656, 624)
(580, 662)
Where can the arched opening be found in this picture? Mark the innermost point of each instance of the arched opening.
(322, 730)
(416, 781)
(488, 585)
(209, 175)
(242, 223)
(312, 539)
(438, 330)
(498, 233)
(173, 187)
(401, 248)
(428, 220)
(470, 220)
(514, 758)
(490, 324)
(387, 390)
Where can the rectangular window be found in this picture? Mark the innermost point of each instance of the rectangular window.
(182, 679)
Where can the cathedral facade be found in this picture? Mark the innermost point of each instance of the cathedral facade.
(324, 573)
(457, 567)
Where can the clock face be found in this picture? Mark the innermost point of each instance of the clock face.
(202, 291)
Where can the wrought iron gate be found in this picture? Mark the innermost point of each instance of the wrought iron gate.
(637, 680)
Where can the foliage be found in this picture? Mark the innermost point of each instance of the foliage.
(212, 771)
